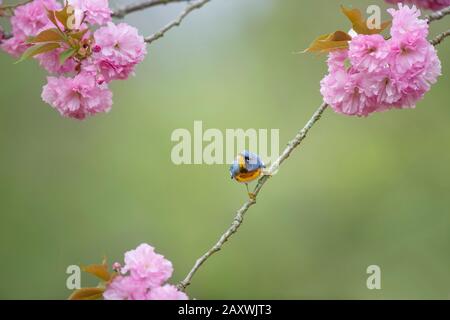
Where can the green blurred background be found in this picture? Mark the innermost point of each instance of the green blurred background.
(358, 192)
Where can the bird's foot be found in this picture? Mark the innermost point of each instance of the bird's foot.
(252, 196)
(266, 172)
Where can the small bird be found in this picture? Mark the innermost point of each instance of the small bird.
(246, 168)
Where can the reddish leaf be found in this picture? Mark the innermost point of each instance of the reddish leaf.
(359, 23)
(98, 270)
(87, 294)
(62, 16)
(329, 42)
(51, 16)
(49, 35)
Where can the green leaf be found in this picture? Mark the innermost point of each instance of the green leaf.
(37, 49)
(329, 42)
(66, 55)
(359, 24)
(49, 35)
(87, 294)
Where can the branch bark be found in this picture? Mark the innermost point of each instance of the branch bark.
(189, 8)
(438, 15)
(440, 37)
(141, 5)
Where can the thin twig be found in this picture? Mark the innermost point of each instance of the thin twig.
(438, 15)
(189, 8)
(239, 218)
(440, 37)
(140, 5)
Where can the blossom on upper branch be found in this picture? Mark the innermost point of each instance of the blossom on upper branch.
(119, 49)
(96, 11)
(28, 20)
(77, 97)
(81, 46)
(374, 74)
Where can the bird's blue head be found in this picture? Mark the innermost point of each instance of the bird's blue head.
(246, 161)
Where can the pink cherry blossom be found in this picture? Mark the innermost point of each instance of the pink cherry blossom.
(31, 18)
(14, 46)
(50, 62)
(348, 92)
(145, 265)
(368, 52)
(425, 4)
(77, 97)
(166, 292)
(117, 266)
(143, 277)
(336, 60)
(433, 68)
(28, 20)
(120, 49)
(406, 22)
(375, 74)
(408, 53)
(125, 288)
(387, 90)
(96, 11)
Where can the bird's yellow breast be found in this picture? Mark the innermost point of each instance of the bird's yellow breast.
(248, 176)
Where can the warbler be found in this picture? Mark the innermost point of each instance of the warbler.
(246, 168)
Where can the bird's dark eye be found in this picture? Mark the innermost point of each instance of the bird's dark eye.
(247, 158)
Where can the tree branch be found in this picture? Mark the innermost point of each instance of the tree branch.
(141, 5)
(438, 15)
(189, 8)
(239, 217)
(440, 37)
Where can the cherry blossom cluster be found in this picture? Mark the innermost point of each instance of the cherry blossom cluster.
(425, 4)
(375, 74)
(96, 51)
(143, 277)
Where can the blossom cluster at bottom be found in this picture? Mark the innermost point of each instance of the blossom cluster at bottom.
(143, 277)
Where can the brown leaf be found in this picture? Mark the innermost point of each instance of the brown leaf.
(98, 270)
(329, 42)
(87, 294)
(359, 23)
(51, 16)
(79, 34)
(62, 16)
(49, 35)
